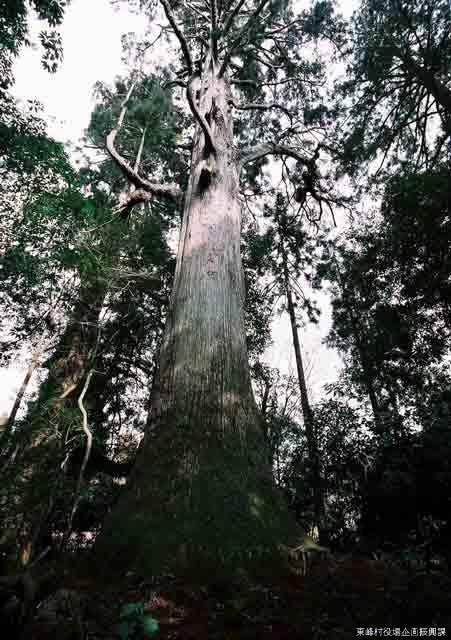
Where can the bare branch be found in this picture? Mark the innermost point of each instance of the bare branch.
(195, 10)
(262, 107)
(124, 105)
(283, 27)
(260, 151)
(144, 189)
(250, 83)
(68, 391)
(151, 44)
(140, 151)
(138, 196)
(126, 204)
(171, 190)
(179, 34)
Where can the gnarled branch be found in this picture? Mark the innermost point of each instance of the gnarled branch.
(199, 117)
(171, 190)
(138, 196)
(88, 433)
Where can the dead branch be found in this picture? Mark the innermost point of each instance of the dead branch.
(88, 434)
(171, 191)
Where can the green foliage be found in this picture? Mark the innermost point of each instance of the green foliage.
(135, 623)
(322, 21)
(25, 148)
(65, 250)
(390, 286)
(152, 115)
(14, 34)
(398, 83)
(392, 307)
(95, 288)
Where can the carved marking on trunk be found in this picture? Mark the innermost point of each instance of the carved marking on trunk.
(212, 264)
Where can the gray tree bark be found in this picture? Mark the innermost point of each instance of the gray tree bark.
(202, 492)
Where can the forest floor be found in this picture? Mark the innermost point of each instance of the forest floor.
(354, 597)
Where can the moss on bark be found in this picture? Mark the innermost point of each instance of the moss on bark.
(209, 505)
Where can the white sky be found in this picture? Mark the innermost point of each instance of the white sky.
(91, 34)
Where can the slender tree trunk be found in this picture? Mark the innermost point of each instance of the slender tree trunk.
(368, 375)
(201, 491)
(367, 369)
(40, 447)
(24, 386)
(264, 409)
(360, 343)
(309, 422)
(397, 420)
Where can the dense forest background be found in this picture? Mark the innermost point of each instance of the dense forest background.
(252, 160)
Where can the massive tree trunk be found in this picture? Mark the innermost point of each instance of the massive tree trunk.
(202, 491)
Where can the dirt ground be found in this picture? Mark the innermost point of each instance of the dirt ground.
(352, 598)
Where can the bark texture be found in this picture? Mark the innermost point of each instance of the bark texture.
(201, 491)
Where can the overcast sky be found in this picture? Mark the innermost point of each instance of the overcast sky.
(91, 34)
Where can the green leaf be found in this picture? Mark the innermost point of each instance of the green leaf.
(150, 625)
(131, 610)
